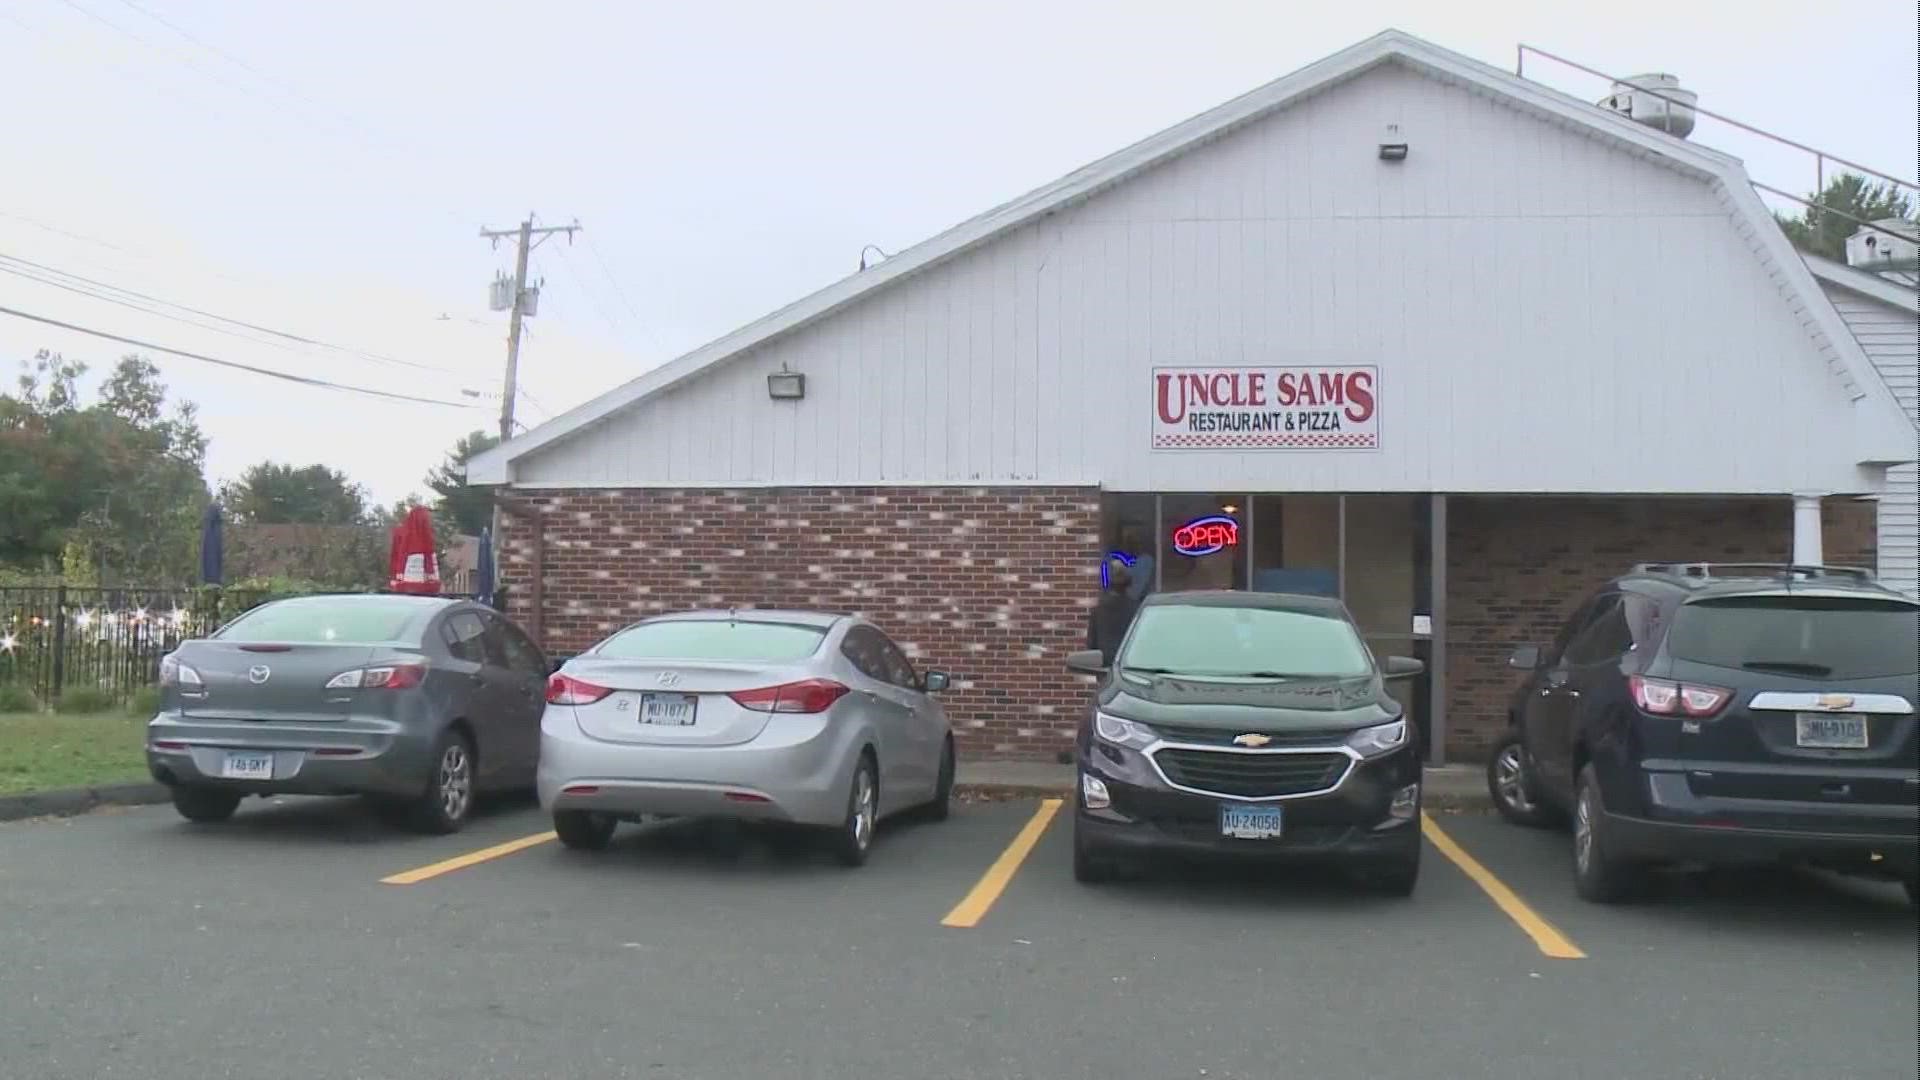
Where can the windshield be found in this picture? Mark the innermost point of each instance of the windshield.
(713, 639)
(331, 620)
(1813, 636)
(1243, 642)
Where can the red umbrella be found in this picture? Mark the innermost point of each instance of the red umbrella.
(412, 565)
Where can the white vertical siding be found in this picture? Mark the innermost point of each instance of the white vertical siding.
(1891, 338)
(1545, 309)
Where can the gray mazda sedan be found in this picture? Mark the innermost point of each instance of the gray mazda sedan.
(417, 702)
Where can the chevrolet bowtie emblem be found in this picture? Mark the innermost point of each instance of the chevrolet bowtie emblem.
(1835, 702)
(1252, 739)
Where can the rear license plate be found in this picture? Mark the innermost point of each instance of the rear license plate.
(243, 766)
(1250, 822)
(668, 710)
(1820, 731)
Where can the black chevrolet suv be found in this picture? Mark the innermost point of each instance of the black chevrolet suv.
(1248, 724)
(1722, 714)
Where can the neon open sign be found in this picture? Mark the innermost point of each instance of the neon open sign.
(1206, 535)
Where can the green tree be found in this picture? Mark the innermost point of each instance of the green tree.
(467, 508)
(114, 489)
(1822, 229)
(273, 494)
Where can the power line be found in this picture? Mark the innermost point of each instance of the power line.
(302, 339)
(305, 380)
(593, 249)
(592, 299)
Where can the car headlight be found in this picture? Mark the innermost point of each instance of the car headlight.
(1123, 732)
(1377, 740)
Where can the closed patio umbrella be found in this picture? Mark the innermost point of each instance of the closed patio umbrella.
(211, 550)
(483, 569)
(413, 563)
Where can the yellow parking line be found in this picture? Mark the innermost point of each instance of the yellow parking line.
(974, 907)
(461, 862)
(1551, 941)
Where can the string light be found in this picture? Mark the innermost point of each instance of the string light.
(7, 642)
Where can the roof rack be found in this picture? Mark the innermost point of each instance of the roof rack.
(1703, 571)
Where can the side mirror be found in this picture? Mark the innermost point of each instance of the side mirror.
(1524, 658)
(1087, 662)
(935, 681)
(1403, 667)
(554, 663)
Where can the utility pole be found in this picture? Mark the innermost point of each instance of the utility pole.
(525, 235)
(518, 305)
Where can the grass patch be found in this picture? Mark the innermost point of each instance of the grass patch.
(42, 752)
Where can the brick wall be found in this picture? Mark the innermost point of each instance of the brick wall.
(1517, 567)
(990, 584)
(993, 584)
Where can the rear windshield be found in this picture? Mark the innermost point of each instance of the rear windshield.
(1243, 642)
(1813, 636)
(713, 639)
(328, 620)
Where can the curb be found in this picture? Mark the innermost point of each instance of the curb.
(66, 802)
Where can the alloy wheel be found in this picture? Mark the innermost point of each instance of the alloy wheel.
(864, 808)
(1510, 779)
(456, 781)
(1583, 830)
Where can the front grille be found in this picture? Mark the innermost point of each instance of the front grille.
(1201, 736)
(1251, 776)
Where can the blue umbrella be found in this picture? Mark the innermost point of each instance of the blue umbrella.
(483, 569)
(210, 547)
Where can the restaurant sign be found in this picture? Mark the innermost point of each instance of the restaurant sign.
(1266, 408)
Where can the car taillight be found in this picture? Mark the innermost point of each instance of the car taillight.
(567, 690)
(384, 677)
(1662, 697)
(805, 696)
(175, 673)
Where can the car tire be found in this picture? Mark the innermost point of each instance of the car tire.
(1599, 875)
(204, 805)
(942, 805)
(1394, 875)
(853, 838)
(1511, 787)
(583, 830)
(447, 802)
(1090, 867)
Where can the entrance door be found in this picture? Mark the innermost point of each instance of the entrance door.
(1203, 542)
(1387, 583)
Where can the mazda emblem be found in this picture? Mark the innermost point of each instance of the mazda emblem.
(259, 673)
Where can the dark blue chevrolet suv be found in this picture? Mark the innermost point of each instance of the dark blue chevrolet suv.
(1722, 714)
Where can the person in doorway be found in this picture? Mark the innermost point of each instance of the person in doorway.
(1142, 570)
(1108, 622)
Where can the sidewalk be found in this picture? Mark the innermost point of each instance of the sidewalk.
(1449, 787)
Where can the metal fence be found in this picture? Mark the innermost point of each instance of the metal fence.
(60, 638)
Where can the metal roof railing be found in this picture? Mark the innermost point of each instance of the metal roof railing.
(1707, 571)
(1900, 185)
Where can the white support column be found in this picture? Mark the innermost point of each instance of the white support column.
(1807, 549)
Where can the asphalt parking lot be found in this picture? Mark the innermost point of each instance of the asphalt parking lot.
(304, 939)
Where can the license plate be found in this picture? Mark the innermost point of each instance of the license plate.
(1250, 822)
(245, 766)
(1822, 731)
(668, 710)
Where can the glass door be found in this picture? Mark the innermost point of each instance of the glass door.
(1203, 542)
(1386, 577)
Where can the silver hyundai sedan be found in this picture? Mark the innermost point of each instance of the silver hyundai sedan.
(781, 716)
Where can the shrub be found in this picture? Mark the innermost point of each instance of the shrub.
(83, 699)
(18, 699)
(145, 701)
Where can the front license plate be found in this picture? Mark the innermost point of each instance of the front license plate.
(1250, 822)
(1820, 731)
(246, 766)
(668, 710)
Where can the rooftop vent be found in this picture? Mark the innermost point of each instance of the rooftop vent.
(1656, 101)
(1872, 249)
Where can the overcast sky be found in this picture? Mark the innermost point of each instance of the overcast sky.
(323, 169)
